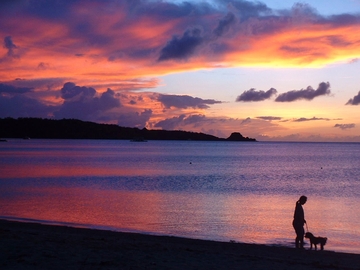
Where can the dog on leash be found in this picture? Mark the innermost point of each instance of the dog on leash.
(316, 240)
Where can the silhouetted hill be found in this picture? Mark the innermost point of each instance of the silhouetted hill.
(77, 129)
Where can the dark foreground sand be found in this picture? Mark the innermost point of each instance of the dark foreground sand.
(35, 246)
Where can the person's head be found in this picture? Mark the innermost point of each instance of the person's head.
(302, 199)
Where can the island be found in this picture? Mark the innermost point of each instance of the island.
(76, 129)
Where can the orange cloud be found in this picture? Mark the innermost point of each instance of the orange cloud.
(125, 45)
(114, 45)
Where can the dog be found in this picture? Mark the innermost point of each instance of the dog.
(316, 240)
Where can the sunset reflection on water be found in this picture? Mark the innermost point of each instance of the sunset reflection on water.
(242, 218)
(225, 193)
(68, 170)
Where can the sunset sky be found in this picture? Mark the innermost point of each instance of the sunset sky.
(272, 70)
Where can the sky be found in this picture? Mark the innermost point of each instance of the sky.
(272, 70)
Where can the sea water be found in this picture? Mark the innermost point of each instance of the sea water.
(225, 191)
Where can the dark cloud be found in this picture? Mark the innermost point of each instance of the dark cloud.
(224, 24)
(246, 121)
(170, 123)
(182, 48)
(22, 106)
(38, 83)
(344, 126)
(182, 120)
(135, 119)
(194, 120)
(247, 9)
(4, 88)
(269, 118)
(10, 46)
(355, 100)
(253, 95)
(184, 102)
(303, 119)
(341, 20)
(42, 66)
(70, 90)
(52, 10)
(166, 10)
(308, 94)
(82, 102)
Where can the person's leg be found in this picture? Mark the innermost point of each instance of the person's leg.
(301, 236)
(299, 240)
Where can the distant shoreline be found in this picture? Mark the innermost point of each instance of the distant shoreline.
(35, 246)
(76, 129)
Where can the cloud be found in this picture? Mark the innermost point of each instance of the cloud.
(195, 121)
(170, 123)
(22, 106)
(135, 119)
(224, 24)
(246, 121)
(253, 95)
(184, 102)
(355, 100)
(10, 46)
(308, 94)
(38, 83)
(139, 38)
(269, 118)
(181, 48)
(70, 90)
(83, 103)
(303, 119)
(344, 126)
(219, 126)
(4, 88)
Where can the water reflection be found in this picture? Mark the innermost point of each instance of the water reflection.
(243, 218)
(237, 192)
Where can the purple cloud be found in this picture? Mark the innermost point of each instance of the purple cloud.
(181, 48)
(184, 102)
(224, 24)
(344, 126)
(355, 100)
(5, 88)
(253, 95)
(10, 46)
(170, 123)
(269, 118)
(70, 90)
(303, 119)
(22, 106)
(182, 120)
(82, 103)
(135, 119)
(246, 121)
(308, 94)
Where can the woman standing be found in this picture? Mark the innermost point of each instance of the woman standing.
(299, 221)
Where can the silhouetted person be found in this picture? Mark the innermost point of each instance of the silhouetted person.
(299, 221)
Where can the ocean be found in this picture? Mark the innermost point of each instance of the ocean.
(223, 191)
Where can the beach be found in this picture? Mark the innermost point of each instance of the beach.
(36, 246)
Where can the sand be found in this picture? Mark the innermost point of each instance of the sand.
(36, 246)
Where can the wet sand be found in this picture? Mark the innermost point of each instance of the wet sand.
(36, 246)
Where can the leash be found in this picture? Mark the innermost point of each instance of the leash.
(307, 229)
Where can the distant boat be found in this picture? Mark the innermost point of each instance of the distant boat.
(26, 138)
(139, 139)
(3, 140)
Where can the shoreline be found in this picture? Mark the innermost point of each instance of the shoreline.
(36, 246)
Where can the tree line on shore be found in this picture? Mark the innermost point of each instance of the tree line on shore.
(76, 129)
